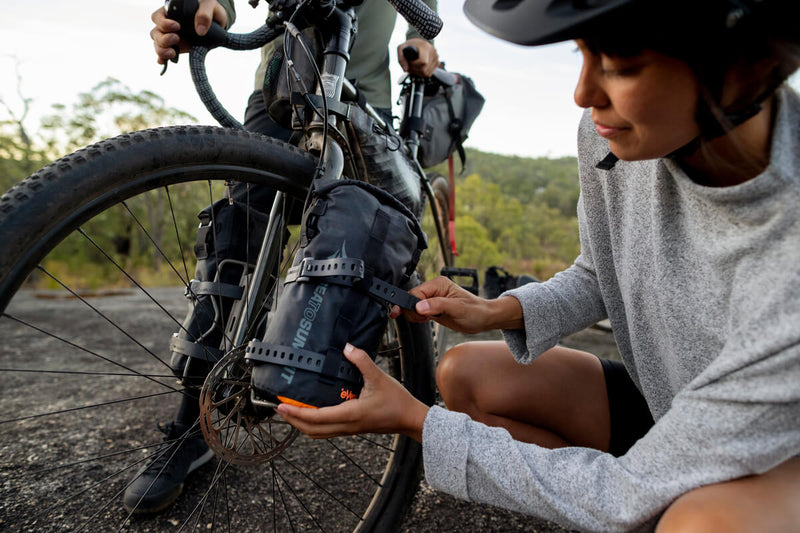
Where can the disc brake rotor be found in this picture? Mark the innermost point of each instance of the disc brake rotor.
(238, 431)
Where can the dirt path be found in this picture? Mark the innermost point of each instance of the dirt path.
(431, 511)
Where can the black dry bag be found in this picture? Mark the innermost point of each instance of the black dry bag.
(358, 246)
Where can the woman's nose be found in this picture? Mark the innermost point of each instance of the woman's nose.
(588, 91)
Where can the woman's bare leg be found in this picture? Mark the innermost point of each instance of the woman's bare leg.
(767, 503)
(558, 400)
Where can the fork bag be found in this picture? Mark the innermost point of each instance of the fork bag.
(358, 246)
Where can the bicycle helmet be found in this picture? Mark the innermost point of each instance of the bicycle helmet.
(536, 22)
(712, 36)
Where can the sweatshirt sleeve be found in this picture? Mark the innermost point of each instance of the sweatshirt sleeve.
(735, 419)
(568, 302)
(411, 33)
(230, 9)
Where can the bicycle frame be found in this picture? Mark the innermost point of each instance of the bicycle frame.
(332, 88)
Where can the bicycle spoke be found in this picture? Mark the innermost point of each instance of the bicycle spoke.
(104, 317)
(184, 281)
(75, 495)
(221, 468)
(353, 462)
(300, 501)
(84, 407)
(283, 498)
(144, 291)
(85, 350)
(177, 235)
(375, 443)
(77, 373)
(316, 484)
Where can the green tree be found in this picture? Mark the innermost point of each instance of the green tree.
(111, 108)
(108, 109)
(475, 248)
(19, 157)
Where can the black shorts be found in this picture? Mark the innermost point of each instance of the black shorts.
(630, 416)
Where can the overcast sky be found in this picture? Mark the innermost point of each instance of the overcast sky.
(65, 47)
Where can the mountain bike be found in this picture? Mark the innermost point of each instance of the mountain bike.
(81, 388)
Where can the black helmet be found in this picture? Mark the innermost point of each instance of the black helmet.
(535, 22)
(710, 35)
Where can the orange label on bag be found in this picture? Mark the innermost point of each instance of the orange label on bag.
(284, 399)
(348, 395)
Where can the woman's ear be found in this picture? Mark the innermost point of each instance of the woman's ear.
(747, 82)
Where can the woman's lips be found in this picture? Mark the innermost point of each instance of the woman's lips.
(607, 131)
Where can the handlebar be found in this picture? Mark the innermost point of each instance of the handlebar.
(419, 15)
(411, 53)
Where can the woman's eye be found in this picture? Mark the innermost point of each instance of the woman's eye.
(619, 67)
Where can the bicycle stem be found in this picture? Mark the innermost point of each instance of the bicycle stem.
(335, 59)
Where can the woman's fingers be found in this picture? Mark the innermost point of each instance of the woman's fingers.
(321, 423)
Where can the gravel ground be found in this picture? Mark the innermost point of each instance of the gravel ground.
(31, 445)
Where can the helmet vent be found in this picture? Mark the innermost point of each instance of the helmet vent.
(506, 5)
(588, 4)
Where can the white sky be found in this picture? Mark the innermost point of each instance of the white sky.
(66, 47)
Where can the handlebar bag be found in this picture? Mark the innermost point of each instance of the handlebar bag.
(279, 84)
(447, 116)
(358, 246)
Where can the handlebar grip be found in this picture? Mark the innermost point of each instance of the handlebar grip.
(420, 16)
(411, 53)
(183, 11)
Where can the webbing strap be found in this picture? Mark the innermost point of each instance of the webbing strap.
(301, 359)
(213, 288)
(455, 127)
(322, 268)
(376, 288)
(334, 106)
(195, 350)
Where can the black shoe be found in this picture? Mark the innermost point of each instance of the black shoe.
(160, 482)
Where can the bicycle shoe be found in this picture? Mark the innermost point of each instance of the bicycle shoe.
(159, 483)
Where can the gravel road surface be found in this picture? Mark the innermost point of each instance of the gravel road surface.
(431, 511)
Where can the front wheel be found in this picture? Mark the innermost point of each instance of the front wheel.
(96, 251)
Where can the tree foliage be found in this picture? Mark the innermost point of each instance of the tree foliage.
(515, 212)
(527, 209)
(110, 108)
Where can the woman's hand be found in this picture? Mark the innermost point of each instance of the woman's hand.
(165, 34)
(456, 308)
(384, 406)
(427, 61)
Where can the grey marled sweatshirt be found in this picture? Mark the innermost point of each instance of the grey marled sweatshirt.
(702, 287)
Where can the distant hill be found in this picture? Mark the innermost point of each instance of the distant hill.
(516, 212)
(555, 181)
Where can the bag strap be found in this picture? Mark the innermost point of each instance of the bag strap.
(454, 128)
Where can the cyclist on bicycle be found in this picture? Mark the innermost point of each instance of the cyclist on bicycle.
(689, 222)
(160, 482)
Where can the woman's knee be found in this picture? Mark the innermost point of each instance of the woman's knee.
(455, 375)
(765, 503)
(694, 513)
